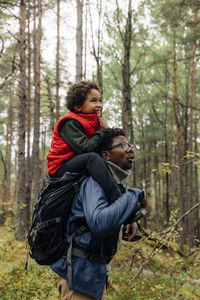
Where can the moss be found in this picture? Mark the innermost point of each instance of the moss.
(166, 276)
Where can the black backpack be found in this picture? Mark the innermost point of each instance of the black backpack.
(47, 235)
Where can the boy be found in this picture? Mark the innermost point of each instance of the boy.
(81, 131)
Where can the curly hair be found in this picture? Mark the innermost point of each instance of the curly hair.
(108, 137)
(78, 92)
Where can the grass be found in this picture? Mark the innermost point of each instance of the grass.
(166, 276)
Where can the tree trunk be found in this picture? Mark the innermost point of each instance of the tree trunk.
(58, 63)
(79, 40)
(51, 104)
(29, 174)
(97, 50)
(21, 205)
(9, 141)
(196, 176)
(155, 183)
(3, 208)
(37, 41)
(191, 194)
(186, 177)
(127, 123)
(166, 144)
(6, 182)
(44, 163)
(179, 148)
(85, 40)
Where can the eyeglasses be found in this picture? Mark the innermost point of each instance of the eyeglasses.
(124, 146)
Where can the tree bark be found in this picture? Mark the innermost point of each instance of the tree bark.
(51, 104)
(97, 50)
(3, 208)
(166, 144)
(29, 175)
(21, 204)
(58, 63)
(6, 182)
(79, 40)
(196, 176)
(85, 40)
(179, 139)
(191, 197)
(37, 41)
(127, 123)
(186, 179)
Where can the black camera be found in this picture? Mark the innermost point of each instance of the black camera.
(140, 213)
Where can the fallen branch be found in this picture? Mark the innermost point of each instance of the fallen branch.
(183, 216)
(164, 246)
(162, 237)
(187, 275)
(113, 286)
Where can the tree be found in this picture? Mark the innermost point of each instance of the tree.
(21, 210)
(58, 62)
(97, 51)
(79, 40)
(37, 54)
(29, 165)
(126, 75)
(191, 122)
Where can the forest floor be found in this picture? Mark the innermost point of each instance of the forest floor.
(167, 275)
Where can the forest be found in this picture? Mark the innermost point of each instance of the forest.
(145, 56)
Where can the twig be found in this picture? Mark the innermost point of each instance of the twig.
(184, 279)
(162, 237)
(183, 216)
(2, 45)
(109, 282)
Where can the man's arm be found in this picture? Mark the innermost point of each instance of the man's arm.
(104, 218)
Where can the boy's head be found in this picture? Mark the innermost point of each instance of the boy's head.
(78, 93)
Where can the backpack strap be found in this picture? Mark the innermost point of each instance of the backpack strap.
(84, 253)
(79, 252)
(83, 228)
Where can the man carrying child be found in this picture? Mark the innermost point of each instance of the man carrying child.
(83, 273)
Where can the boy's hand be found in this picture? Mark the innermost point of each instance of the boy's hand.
(102, 122)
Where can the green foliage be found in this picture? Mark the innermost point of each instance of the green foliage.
(176, 279)
(159, 280)
(17, 284)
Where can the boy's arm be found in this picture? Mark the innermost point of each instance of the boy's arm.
(73, 133)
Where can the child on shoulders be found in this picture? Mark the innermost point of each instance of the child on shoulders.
(77, 136)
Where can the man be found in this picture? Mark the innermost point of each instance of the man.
(85, 268)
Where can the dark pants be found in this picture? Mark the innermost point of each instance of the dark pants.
(96, 166)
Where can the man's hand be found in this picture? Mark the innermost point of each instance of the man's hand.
(142, 203)
(102, 122)
(131, 230)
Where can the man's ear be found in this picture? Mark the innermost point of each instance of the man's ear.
(77, 107)
(106, 155)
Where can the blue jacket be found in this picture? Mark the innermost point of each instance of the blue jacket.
(104, 221)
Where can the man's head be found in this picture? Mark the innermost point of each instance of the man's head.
(81, 92)
(116, 148)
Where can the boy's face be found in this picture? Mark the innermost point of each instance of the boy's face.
(91, 104)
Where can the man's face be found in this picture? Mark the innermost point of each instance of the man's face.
(121, 155)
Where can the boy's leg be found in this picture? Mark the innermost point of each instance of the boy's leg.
(97, 168)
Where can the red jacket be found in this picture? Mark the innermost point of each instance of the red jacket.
(60, 150)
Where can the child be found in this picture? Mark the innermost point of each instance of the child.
(78, 134)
